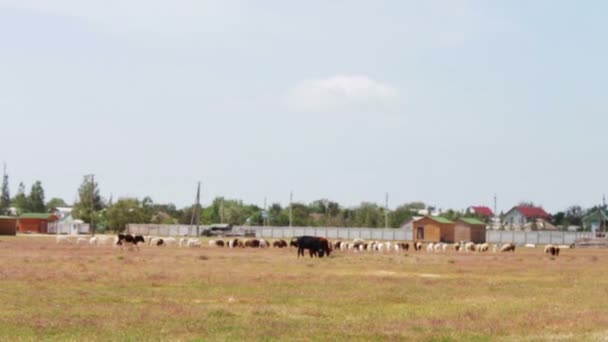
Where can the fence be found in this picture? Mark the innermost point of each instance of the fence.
(70, 228)
(492, 236)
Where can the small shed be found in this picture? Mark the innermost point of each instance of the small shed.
(470, 229)
(35, 222)
(433, 229)
(8, 225)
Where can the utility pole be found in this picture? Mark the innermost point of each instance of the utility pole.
(290, 209)
(196, 217)
(386, 211)
(265, 214)
(92, 204)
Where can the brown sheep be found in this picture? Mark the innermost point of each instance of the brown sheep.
(508, 247)
(552, 249)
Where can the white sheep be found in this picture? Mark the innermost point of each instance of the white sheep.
(430, 247)
(194, 243)
(170, 241)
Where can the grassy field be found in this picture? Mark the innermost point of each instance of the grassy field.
(69, 292)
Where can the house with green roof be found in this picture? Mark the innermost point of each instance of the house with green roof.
(597, 220)
(35, 222)
(470, 229)
(433, 229)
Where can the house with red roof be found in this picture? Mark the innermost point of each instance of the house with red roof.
(481, 211)
(524, 217)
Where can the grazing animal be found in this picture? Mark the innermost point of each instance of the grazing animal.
(530, 245)
(469, 247)
(94, 241)
(194, 243)
(430, 247)
(253, 243)
(316, 246)
(508, 247)
(417, 246)
(153, 240)
(552, 249)
(169, 241)
(483, 247)
(405, 246)
(264, 243)
(130, 239)
(279, 244)
(160, 242)
(183, 242)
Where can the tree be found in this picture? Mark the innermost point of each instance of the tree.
(123, 212)
(56, 202)
(5, 196)
(88, 202)
(21, 201)
(36, 198)
(574, 215)
(277, 216)
(368, 215)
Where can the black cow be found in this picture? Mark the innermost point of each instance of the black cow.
(128, 238)
(317, 246)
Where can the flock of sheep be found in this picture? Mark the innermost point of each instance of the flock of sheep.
(356, 245)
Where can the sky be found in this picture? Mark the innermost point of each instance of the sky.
(446, 102)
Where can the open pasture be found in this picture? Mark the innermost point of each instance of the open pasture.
(51, 291)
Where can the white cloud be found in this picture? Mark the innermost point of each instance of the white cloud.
(340, 92)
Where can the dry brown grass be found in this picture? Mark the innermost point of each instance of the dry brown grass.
(68, 292)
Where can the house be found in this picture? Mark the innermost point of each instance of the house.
(481, 211)
(68, 225)
(470, 229)
(8, 225)
(409, 224)
(433, 229)
(35, 222)
(596, 221)
(525, 217)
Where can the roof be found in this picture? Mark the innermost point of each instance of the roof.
(7, 217)
(532, 212)
(471, 220)
(439, 219)
(599, 215)
(41, 216)
(484, 211)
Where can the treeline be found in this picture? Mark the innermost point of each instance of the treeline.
(115, 215)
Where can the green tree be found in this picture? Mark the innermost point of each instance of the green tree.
(89, 201)
(404, 213)
(123, 212)
(21, 201)
(56, 202)
(368, 215)
(574, 215)
(36, 198)
(5, 196)
(277, 216)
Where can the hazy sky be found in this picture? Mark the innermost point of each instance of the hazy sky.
(447, 102)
